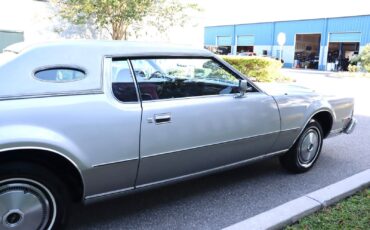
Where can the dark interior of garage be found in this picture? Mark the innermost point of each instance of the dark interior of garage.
(244, 49)
(340, 54)
(307, 51)
(223, 50)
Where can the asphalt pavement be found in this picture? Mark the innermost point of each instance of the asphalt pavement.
(220, 200)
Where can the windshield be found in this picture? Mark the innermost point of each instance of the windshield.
(6, 56)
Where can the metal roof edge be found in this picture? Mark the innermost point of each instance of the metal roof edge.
(293, 20)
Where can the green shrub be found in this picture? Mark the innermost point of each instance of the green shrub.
(353, 68)
(260, 69)
(363, 58)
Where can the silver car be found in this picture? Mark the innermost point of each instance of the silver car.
(84, 121)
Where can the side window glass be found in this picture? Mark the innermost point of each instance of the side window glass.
(166, 78)
(123, 85)
(57, 75)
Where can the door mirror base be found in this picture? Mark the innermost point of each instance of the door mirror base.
(243, 88)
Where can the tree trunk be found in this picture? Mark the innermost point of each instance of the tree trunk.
(119, 31)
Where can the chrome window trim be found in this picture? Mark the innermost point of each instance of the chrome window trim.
(160, 55)
(102, 73)
(196, 97)
(49, 94)
(133, 75)
(109, 77)
(221, 63)
(51, 67)
(227, 67)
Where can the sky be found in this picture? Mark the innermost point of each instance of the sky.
(16, 14)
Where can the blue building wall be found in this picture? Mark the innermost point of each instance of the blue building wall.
(291, 28)
(261, 31)
(352, 24)
(265, 34)
(211, 34)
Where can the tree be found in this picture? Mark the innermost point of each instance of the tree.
(122, 18)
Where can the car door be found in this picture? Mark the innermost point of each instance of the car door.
(192, 120)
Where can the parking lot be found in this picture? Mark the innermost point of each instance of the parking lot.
(222, 199)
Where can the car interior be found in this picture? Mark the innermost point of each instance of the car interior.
(160, 84)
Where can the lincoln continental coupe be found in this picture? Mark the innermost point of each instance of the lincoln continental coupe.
(82, 121)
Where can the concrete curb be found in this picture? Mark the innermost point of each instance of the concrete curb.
(292, 211)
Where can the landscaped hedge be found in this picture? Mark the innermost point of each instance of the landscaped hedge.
(363, 59)
(260, 69)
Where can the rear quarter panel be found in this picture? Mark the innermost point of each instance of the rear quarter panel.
(86, 129)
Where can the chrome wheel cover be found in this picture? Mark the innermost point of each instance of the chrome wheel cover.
(25, 204)
(309, 147)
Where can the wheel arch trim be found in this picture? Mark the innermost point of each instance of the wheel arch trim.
(310, 118)
(52, 151)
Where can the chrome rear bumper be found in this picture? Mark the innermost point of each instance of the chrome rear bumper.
(350, 126)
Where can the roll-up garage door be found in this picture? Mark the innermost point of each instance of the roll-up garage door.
(224, 40)
(245, 40)
(345, 37)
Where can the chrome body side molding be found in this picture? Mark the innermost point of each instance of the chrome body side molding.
(107, 195)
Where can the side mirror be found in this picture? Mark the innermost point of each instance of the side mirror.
(243, 87)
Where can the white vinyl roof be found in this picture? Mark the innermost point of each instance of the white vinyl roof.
(106, 48)
(23, 59)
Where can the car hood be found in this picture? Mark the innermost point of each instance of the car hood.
(276, 89)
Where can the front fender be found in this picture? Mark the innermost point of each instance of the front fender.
(316, 107)
(296, 110)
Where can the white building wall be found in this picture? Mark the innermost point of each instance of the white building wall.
(361, 48)
(28, 16)
(288, 54)
(324, 53)
(259, 50)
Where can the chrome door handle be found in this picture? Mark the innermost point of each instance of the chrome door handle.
(162, 118)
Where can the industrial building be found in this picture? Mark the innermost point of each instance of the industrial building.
(324, 43)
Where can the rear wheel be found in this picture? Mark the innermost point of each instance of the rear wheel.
(304, 153)
(31, 197)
